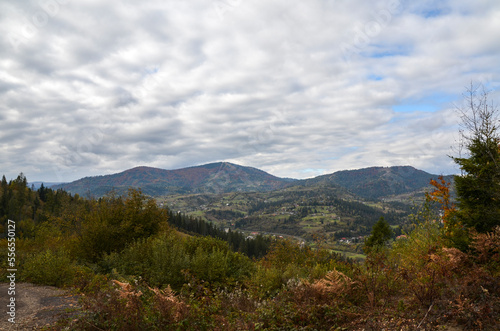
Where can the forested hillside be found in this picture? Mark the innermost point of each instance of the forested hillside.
(123, 219)
(209, 178)
(377, 182)
(224, 177)
(337, 218)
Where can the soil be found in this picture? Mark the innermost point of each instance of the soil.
(36, 307)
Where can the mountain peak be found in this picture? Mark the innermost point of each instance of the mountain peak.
(216, 177)
(222, 177)
(377, 182)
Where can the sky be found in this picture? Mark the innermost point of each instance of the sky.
(295, 88)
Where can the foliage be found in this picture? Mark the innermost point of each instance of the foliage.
(49, 268)
(287, 262)
(114, 222)
(170, 259)
(122, 306)
(453, 230)
(478, 188)
(252, 247)
(381, 233)
(486, 248)
(442, 196)
(415, 265)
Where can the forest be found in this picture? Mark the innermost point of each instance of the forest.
(137, 265)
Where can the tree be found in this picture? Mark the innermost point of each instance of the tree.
(112, 223)
(381, 233)
(478, 186)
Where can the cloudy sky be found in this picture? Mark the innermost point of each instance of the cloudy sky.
(296, 88)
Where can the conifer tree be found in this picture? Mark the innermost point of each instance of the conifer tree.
(381, 233)
(478, 187)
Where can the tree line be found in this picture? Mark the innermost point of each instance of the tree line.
(107, 224)
(252, 247)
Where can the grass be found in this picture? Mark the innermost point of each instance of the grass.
(356, 256)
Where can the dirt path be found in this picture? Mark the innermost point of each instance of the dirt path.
(36, 306)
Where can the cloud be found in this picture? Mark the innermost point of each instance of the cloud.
(297, 89)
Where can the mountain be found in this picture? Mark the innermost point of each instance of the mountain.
(218, 177)
(37, 185)
(222, 177)
(378, 182)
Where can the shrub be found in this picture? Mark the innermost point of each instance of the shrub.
(287, 261)
(166, 259)
(417, 259)
(486, 248)
(111, 224)
(49, 268)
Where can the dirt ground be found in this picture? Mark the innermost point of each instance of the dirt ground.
(36, 306)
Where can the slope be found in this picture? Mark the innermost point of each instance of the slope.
(218, 177)
(378, 182)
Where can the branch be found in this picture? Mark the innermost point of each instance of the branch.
(423, 319)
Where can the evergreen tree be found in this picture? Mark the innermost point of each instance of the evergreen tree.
(478, 187)
(381, 233)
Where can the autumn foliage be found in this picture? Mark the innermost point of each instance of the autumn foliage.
(441, 195)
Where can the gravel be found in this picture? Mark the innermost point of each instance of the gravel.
(36, 306)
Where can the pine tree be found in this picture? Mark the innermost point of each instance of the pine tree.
(478, 187)
(381, 233)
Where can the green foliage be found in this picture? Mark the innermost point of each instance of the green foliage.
(424, 238)
(252, 247)
(113, 223)
(170, 259)
(421, 274)
(288, 262)
(49, 268)
(478, 188)
(381, 233)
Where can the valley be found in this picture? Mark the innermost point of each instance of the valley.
(321, 215)
(335, 211)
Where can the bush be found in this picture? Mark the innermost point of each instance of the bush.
(169, 258)
(417, 259)
(111, 224)
(486, 248)
(114, 305)
(49, 268)
(287, 261)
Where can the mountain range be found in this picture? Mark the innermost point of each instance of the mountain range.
(224, 177)
(221, 177)
(379, 182)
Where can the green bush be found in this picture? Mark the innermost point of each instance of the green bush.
(49, 268)
(113, 223)
(421, 241)
(168, 258)
(287, 261)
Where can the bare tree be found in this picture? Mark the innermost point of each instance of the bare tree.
(479, 119)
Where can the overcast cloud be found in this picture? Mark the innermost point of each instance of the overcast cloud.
(296, 88)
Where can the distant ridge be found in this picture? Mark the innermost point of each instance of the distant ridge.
(38, 184)
(378, 182)
(222, 177)
(217, 177)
